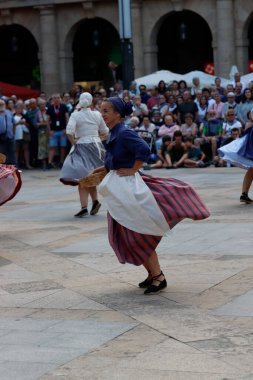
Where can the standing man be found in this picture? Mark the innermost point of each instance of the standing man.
(58, 119)
(7, 142)
(31, 120)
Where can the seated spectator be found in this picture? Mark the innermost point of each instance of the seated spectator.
(163, 160)
(177, 150)
(139, 109)
(162, 88)
(174, 89)
(172, 105)
(188, 106)
(238, 92)
(157, 120)
(202, 109)
(167, 129)
(211, 132)
(230, 105)
(218, 87)
(207, 93)
(195, 156)
(144, 94)
(245, 106)
(154, 100)
(179, 101)
(229, 124)
(197, 97)
(133, 90)
(146, 130)
(217, 106)
(134, 122)
(163, 106)
(189, 128)
(182, 87)
(196, 86)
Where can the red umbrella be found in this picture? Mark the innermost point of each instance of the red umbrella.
(21, 92)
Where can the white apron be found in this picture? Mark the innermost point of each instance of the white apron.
(131, 203)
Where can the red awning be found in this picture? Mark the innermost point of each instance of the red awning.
(21, 92)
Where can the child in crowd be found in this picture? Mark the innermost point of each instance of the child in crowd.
(195, 156)
(163, 160)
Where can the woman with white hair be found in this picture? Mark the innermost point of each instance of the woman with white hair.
(87, 152)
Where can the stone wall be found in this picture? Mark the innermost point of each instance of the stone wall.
(54, 23)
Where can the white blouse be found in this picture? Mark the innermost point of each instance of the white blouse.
(86, 124)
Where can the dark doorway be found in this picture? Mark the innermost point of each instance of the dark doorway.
(19, 57)
(184, 43)
(95, 44)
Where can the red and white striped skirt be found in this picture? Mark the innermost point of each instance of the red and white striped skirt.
(10, 182)
(176, 199)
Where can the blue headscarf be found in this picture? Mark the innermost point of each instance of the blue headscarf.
(123, 108)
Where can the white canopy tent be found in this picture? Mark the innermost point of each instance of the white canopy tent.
(168, 76)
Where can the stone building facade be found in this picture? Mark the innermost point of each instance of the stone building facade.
(54, 24)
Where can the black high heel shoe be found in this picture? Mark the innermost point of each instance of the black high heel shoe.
(152, 289)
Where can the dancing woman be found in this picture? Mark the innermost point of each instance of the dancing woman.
(87, 152)
(141, 209)
(240, 153)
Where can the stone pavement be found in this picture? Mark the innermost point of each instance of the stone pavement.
(70, 311)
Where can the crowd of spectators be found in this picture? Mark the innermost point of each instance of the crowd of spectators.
(183, 125)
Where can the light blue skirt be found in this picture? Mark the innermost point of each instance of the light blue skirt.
(81, 162)
(230, 154)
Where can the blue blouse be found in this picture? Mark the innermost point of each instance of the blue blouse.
(124, 147)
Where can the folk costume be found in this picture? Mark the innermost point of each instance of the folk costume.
(88, 153)
(141, 208)
(10, 182)
(240, 151)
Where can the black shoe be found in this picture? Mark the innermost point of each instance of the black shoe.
(152, 289)
(81, 213)
(50, 166)
(245, 199)
(146, 283)
(95, 207)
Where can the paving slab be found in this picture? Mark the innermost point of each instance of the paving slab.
(70, 311)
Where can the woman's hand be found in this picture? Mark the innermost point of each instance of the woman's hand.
(98, 170)
(124, 172)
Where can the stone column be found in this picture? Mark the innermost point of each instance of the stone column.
(137, 37)
(225, 56)
(241, 48)
(66, 71)
(49, 64)
(150, 59)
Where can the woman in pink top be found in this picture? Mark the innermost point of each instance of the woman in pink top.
(167, 129)
(217, 106)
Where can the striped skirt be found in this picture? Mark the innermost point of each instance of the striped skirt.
(176, 199)
(10, 182)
